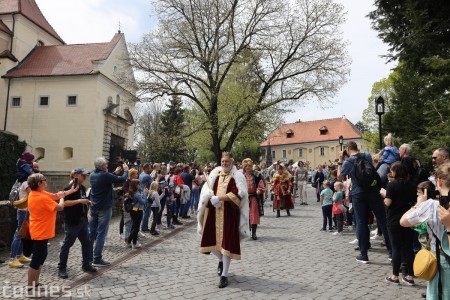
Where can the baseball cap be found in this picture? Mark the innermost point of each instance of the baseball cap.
(80, 171)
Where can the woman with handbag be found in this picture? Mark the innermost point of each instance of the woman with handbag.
(437, 217)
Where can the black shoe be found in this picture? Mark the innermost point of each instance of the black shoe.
(392, 281)
(145, 230)
(223, 282)
(177, 223)
(220, 268)
(362, 259)
(288, 212)
(305, 203)
(62, 273)
(254, 237)
(100, 263)
(89, 268)
(323, 229)
(278, 213)
(330, 229)
(407, 281)
(424, 295)
(186, 217)
(154, 233)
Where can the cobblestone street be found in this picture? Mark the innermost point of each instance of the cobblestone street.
(290, 260)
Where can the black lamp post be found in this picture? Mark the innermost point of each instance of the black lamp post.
(269, 160)
(379, 110)
(341, 142)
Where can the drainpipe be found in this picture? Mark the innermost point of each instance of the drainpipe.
(9, 79)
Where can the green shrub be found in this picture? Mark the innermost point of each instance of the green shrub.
(10, 150)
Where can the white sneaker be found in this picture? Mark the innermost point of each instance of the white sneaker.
(355, 241)
(142, 234)
(138, 245)
(374, 232)
(376, 237)
(337, 233)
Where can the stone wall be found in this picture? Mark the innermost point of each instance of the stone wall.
(8, 223)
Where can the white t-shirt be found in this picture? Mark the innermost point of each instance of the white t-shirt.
(23, 191)
(427, 212)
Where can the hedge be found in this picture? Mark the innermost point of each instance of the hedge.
(10, 150)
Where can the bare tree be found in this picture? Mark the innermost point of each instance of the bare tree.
(148, 136)
(299, 45)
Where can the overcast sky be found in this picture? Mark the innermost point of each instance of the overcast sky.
(87, 21)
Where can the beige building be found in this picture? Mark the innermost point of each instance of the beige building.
(65, 101)
(315, 142)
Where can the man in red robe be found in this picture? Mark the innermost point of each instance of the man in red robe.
(223, 215)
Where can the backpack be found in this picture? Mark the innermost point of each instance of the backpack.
(365, 173)
(128, 204)
(14, 193)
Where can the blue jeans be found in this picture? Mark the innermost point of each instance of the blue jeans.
(146, 216)
(159, 215)
(71, 234)
(98, 230)
(185, 207)
(195, 196)
(362, 202)
(16, 245)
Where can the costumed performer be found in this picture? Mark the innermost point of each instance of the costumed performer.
(223, 215)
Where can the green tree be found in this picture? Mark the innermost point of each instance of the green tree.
(198, 42)
(172, 128)
(148, 134)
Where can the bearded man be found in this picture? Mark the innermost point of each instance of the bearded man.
(223, 215)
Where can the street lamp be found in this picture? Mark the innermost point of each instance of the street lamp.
(379, 110)
(341, 142)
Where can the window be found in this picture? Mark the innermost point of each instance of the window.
(273, 154)
(39, 152)
(72, 100)
(300, 152)
(322, 151)
(323, 130)
(43, 100)
(16, 101)
(284, 153)
(289, 134)
(68, 153)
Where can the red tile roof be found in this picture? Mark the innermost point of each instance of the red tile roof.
(309, 132)
(30, 10)
(5, 28)
(63, 60)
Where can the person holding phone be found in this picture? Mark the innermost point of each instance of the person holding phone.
(436, 215)
(76, 207)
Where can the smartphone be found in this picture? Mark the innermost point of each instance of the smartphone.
(75, 182)
(443, 201)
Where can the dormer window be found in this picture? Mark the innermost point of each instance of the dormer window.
(289, 134)
(323, 130)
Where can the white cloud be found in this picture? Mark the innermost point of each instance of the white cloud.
(90, 21)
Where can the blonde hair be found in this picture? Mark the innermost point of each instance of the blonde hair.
(132, 172)
(442, 172)
(339, 184)
(154, 186)
(389, 140)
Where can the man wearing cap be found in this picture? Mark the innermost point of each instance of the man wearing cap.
(223, 215)
(76, 207)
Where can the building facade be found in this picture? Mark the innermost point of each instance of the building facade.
(314, 142)
(70, 103)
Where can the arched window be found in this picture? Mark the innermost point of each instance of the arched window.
(68, 153)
